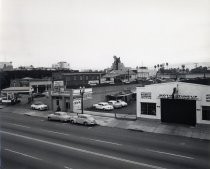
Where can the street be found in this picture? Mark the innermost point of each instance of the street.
(31, 142)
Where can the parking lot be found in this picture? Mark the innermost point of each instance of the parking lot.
(130, 109)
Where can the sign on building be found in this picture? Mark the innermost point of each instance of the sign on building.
(146, 95)
(58, 85)
(87, 93)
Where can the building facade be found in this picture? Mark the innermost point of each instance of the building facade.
(77, 79)
(38, 85)
(175, 102)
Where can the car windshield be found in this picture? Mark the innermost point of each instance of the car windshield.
(62, 113)
(38, 103)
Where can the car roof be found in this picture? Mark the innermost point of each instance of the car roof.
(38, 103)
(87, 115)
(60, 112)
(102, 103)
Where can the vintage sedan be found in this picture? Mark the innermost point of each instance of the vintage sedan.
(59, 116)
(122, 103)
(115, 104)
(103, 106)
(39, 106)
(84, 119)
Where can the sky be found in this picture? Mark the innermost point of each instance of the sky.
(88, 33)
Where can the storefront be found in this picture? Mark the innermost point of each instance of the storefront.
(175, 102)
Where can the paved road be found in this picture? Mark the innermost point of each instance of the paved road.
(29, 143)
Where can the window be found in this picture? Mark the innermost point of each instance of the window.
(148, 108)
(86, 77)
(75, 77)
(80, 77)
(206, 112)
(57, 102)
(67, 105)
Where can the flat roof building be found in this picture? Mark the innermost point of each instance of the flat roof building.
(175, 102)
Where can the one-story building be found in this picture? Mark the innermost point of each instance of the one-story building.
(175, 102)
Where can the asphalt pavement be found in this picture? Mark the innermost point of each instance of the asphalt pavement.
(33, 142)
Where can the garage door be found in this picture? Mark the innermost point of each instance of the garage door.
(178, 111)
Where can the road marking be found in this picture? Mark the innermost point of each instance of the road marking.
(67, 167)
(177, 155)
(26, 155)
(102, 141)
(85, 151)
(55, 132)
(19, 125)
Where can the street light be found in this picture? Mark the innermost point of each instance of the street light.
(82, 91)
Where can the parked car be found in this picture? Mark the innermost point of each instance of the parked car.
(84, 119)
(39, 106)
(59, 116)
(103, 106)
(115, 104)
(122, 103)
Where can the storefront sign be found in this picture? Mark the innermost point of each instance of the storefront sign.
(186, 97)
(146, 95)
(208, 98)
(58, 83)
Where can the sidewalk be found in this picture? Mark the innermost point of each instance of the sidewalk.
(141, 125)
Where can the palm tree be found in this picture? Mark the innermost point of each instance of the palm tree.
(155, 66)
(167, 64)
(183, 67)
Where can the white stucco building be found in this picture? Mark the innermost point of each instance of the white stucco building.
(175, 102)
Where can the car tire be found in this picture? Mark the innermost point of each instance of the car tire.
(49, 118)
(72, 121)
(85, 123)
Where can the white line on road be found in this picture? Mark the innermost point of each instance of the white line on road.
(102, 141)
(19, 125)
(177, 155)
(85, 151)
(67, 167)
(26, 155)
(55, 132)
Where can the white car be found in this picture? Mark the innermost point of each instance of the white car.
(39, 106)
(103, 106)
(84, 119)
(122, 103)
(115, 104)
(59, 116)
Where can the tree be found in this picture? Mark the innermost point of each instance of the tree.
(183, 67)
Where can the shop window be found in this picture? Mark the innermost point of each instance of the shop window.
(67, 105)
(148, 108)
(206, 112)
(57, 102)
